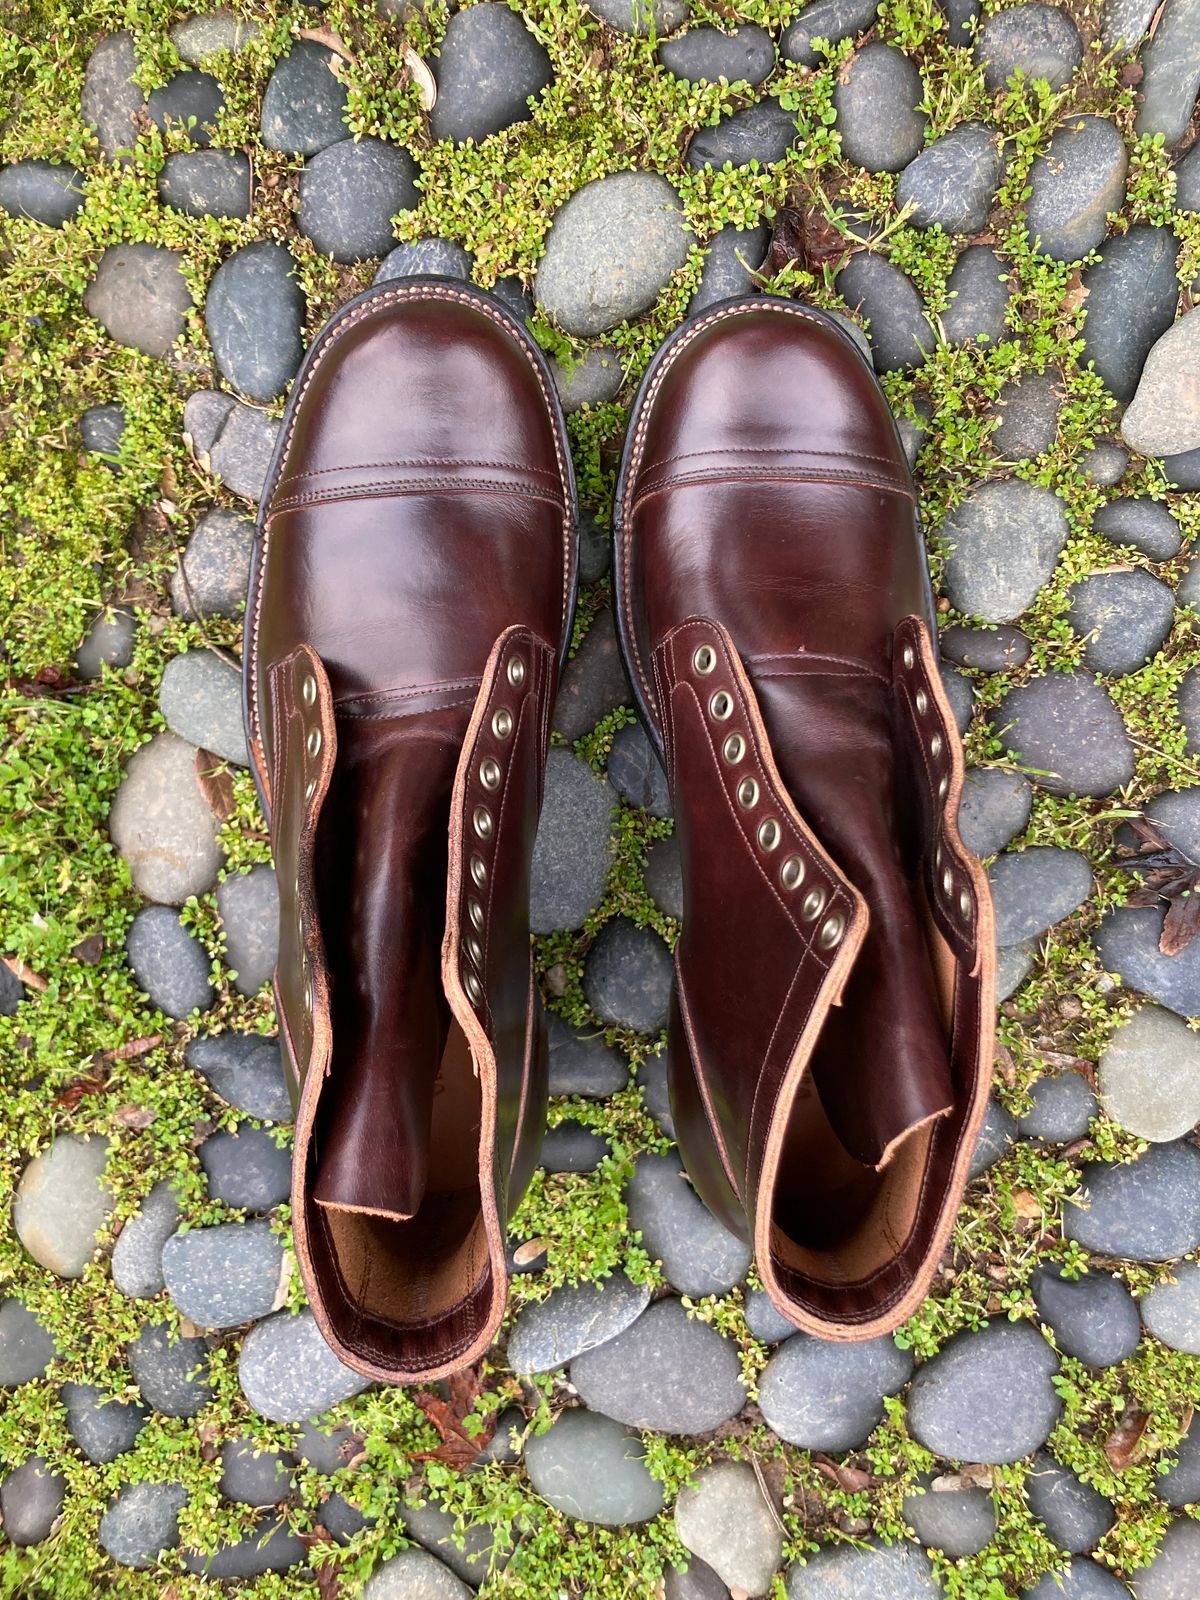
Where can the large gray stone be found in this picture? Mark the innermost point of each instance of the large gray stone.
(1125, 23)
(832, 20)
(304, 105)
(574, 846)
(414, 1575)
(489, 66)
(1164, 418)
(111, 100)
(1065, 729)
(855, 1572)
(254, 313)
(200, 698)
(102, 1427)
(1150, 1075)
(958, 1522)
(878, 104)
(1033, 889)
(26, 1349)
(710, 55)
(1004, 539)
(62, 1204)
(994, 809)
(142, 1522)
(1131, 297)
(764, 132)
(828, 1395)
(170, 1371)
(214, 570)
(1145, 524)
(898, 329)
(189, 104)
(31, 1501)
(1172, 1573)
(1040, 42)
(978, 291)
(1094, 1318)
(1123, 617)
(1079, 1580)
(1127, 943)
(248, 903)
(593, 1469)
(1027, 408)
(50, 192)
(986, 1396)
(162, 824)
(1147, 1209)
(246, 1070)
(725, 1519)
(1075, 1515)
(137, 1254)
(627, 977)
(223, 1276)
(270, 1546)
(577, 1317)
(349, 193)
(1171, 1311)
(289, 1374)
(201, 37)
(1171, 68)
(1079, 180)
(734, 255)
(169, 963)
(698, 1254)
(138, 295)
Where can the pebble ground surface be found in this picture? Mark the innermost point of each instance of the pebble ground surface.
(1004, 201)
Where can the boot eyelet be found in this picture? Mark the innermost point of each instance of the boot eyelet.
(935, 746)
(768, 834)
(473, 986)
(814, 904)
(308, 690)
(490, 773)
(516, 672)
(734, 749)
(747, 793)
(908, 657)
(831, 931)
(943, 786)
(502, 723)
(704, 660)
(791, 873)
(947, 880)
(479, 874)
(482, 820)
(964, 903)
(474, 949)
(313, 742)
(922, 702)
(475, 913)
(720, 707)
(310, 789)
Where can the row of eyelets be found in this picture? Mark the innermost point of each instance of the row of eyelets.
(490, 774)
(769, 832)
(312, 743)
(936, 746)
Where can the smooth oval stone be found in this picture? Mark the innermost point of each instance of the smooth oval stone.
(1075, 185)
(1027, 411)
(763, 132)
(200, 697)
(829, 1396)
(141, 1522)
(1150, 1075)
(349, 193)
(139, 296)
(1146, 525)
(162, 824)
(1094, 1318)
(289, 1374)
(1105, 462)
(1003, 539)
(1171, 75)
(1032, 889)
(253, 1477)
(698, 1254)
(979, 291)
(549, 1333)
(169, 962)
(304, 104)
(998, 649)
(1081, 1580)
(627, 977)
(1123, 617)
(996, 1134)
(441, 257)
(50, 192)
(1132, 292)
(246, 1071)
(112, 102)
(1075, 1515)
(878, 104)
(590, 382)
(223, 1276)
(707, 55)
(986, 1396)
(1061, 1109)
(137, 1254)
(102, 1427)
(1065, 729)
(958, 1522)
(254, 313)
(1164, 416)
(62, 1204)
(899, 330)
(489, 66)
(199, 37)
(414, 1575)
(1147, 1209)
(1179, 1485)
(581, 1063)
(826, 19)
(1036, 40)
(574, 846)
(1127, 943)
(1171, 1575)
(206, 183)
(854, 1572)
(953, 182)
(170, 1371)
(1171, 1311)
(592, 1468)
(726, 1520)
(189, 103)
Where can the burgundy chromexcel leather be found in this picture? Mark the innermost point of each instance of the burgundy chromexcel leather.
(410, 606)
(831, 1031)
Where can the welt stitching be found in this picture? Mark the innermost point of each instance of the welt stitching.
(773, 450)
(684, 480)
(390, 488)
(412, 693)
(417, 461)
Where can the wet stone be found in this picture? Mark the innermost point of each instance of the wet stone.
(851, 1572)
(1033, 889)
(189, 103)
(877, 100)
(1125, 23)
(668, 1371)
(1104, 463)
(592, 381)
(1164, 417)
(763, 132)
(1127, 944)
(248, 903)
(289, 1374)
(169, 963)
(1075, 1515)
(594, 682)
(1004, 539)
(708, 55)
(1147, 1209)
(441, 257)
(1027, 408)
(246, 1071)
(102, 1427)
(162, 824)
(1082, 1580)
(549, 1333)
(1076, 183)
(572, 1147)
(1180, 1484)
(1094, 1318)
(1146, 525)
(592, 1468)
(627, 977)
(26, 1349)
(1172, 1573)
(469, 1556)
(997, 1133)
(137, 1254)
(31, 1501)
(101, 428)
(636, 773)
(200, 698)
(242, 449)
(959, 694)
(414, 1575)
(270, 1546)
(979, 292)
(899, 331)
(141, 1522)
(640, 16)
(827, 1395)
(139, 297)
(825, 19)
(725, 1519)
(994, 809)
(223, 1276)
(574, 845)
(254, 313)
(1132, 293)
(1066, 729)
(197, 38)
(251, 1476)
(163, 1368)
(998, 649)
(1150, 1075)
(247, 1168)
(663, 876)
(986, 1396)
(1037, 41)
(1171, 1311)
(50, 192)
(698, 1254)
(1013, 966)
(764, 1321)
(489, 66)
(581, 1063)
(62, 1204)
(958, 1522)
(610, 250)
(1171, 67)
(349, 193)
(111, 100)
(304, 105)
(953, 182)
(214, 570)
(1061, 1109)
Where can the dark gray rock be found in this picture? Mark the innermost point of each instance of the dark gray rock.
(102, 428)
(414, 1575)
(1104, 463)
(241, 451)
(1187, 178)
(1132, 294)
(102, 1427)
(663, 876)
(707, 55)
(594, 682)
(169, 1371)
(698, 1254)
(141, 1522)
(958, 1522)
(595, 549)
(994, 809)
(998, 649)
(764, 1321)
(289, 1374)
(1079, 180)
(962, 17)
(997, 1133)
(986, 1396)
(441, 257)
(1067, 731)
(270, 1546)
(827, 1395)
(247, 1168)
(763, 132)
(640, 16)
(574, 845)
(45, 191)
(898, 329)
(825, 19)
(246, 1070)
(953, 182)
(1171, 68)
(610, 250)
(1188, 705)
(1013, 966)
(1171, 1311)
(1094, 1318)
(12, 992)
(636, 773)
(1163, 418)
(1080, 1580)
(668, 1371)
(214, 570)
(1003, 540)
(304, 105)
(112, 101)
(572, 1147)
(914, 429)
(343, 1521)
(1172, 1573)
(1061, 1109)
(581, 1063)
(254, 313)
(139, 297)
(594, 1470)
(489, 67)
(1127, 944)
(1033, 889)
(1150, 1075)
(1147, 1209)
(959, 694)
(979, 292)
(725, 1518)
(248, 904)
(852, 1572)
(1180, 1484)
(189, 103)
(62, 1203)
(252, 1476)
(223, 1276)
(349, 193)
(877, 100)
(1125, 23)
(1182, 471)
(651, 1079)
(627, 977)
(1028, 411)
(1037, 41)
(162, 824)
(31, 1500)
(1146, 525)
(549, 1333)
(590, 382)
(326, 1450)
(137, 1254)
(468, 1556)
(26, 1349)
(200, 697)
(200, 37)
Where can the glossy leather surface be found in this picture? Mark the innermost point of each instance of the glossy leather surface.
(410, 604)
(830, 1043)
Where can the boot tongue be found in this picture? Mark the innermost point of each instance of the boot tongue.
(382, 854)
(881, 1065)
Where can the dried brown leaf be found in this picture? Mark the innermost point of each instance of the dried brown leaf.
(1123, 1445)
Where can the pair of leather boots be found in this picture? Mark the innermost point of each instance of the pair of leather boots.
(410, 611)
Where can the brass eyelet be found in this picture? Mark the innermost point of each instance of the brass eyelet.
(516, 672)
(490, 773)
(313, 742)
(308, 690)
(482, 820)
(831, 930)
(473, 986)
(791, 873)
(479, 872)
(734, 749)
(704, 660)
(475, 913)
(922, 702)
(474, 949)
(768, 834)
(908, 657)
(814, 904)
(720, 707)
(502, 723)
(747, 793)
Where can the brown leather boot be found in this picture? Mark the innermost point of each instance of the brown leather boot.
(409, 610)
(830, 1045)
